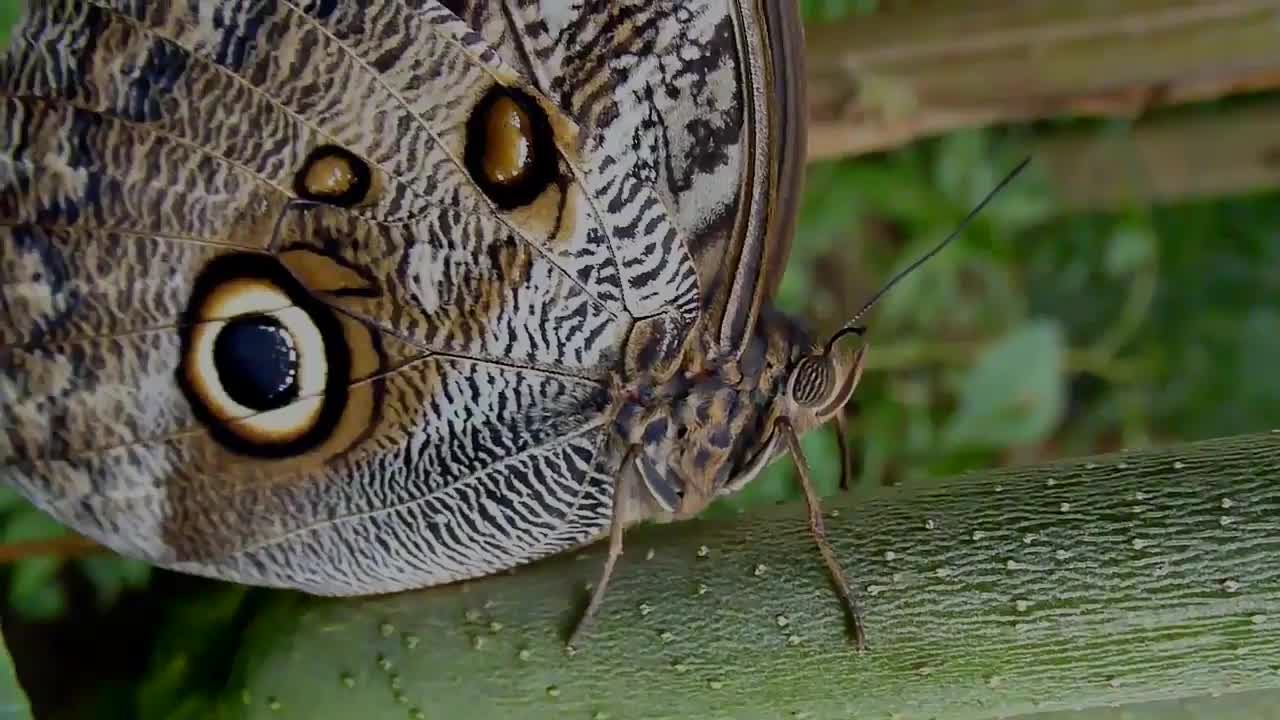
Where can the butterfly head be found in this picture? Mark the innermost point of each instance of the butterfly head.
(821, 382)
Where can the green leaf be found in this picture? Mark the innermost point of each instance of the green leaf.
(34, 591)
(1130, 246)
(112, 575)
(10, 10)
(963, 169)
(13, 701)
(829, 10)
(191, 658)
(10, 500)
(1014, 395)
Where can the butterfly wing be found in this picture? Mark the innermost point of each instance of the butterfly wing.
(442, 263)
(704, 100)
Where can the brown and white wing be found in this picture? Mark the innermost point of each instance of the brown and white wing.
(702, 99)
(322, 295)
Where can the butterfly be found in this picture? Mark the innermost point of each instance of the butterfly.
(353, 297)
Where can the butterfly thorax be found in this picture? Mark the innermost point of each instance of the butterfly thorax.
(701, 431)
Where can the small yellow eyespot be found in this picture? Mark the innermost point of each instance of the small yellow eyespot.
(330, 176)
(510, 149)
(508, 141)
(335, 176)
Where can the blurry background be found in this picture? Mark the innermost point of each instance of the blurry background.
(1125, 292)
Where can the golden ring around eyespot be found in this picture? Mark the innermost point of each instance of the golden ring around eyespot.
(274, 426)
(286, 349)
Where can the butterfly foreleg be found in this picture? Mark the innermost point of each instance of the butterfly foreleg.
(842, 437)
(617, 524)
(843, 587)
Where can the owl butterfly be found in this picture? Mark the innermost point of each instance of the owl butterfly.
(355, 297)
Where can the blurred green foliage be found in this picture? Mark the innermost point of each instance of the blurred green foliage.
(13, 701)
(9, 12)
(35, 591)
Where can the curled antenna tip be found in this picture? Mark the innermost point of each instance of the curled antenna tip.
(852, 325)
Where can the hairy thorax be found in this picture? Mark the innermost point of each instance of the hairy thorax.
(697, 430)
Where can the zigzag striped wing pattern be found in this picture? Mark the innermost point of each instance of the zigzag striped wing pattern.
(439, 220)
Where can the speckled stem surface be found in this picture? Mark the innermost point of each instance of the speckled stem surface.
(1126, 578)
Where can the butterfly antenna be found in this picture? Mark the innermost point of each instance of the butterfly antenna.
(852, 327)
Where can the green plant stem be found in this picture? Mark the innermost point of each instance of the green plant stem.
(1128, 578)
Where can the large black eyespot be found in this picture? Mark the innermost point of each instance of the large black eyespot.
(264, 365)
(334, 175)
(510, 148)
(256, 358)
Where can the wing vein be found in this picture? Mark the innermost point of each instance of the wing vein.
(435, 138)
(460, 483)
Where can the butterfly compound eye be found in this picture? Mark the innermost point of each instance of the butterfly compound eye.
(510, 148)
(264, 366)
(812, 381)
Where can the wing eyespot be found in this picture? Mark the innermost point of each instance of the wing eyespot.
(335, 176)
(256, 359)
(510, 149)
(264, 365)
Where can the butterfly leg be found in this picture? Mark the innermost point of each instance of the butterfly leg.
(842, 437)
(819, 530)
(620, 491)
